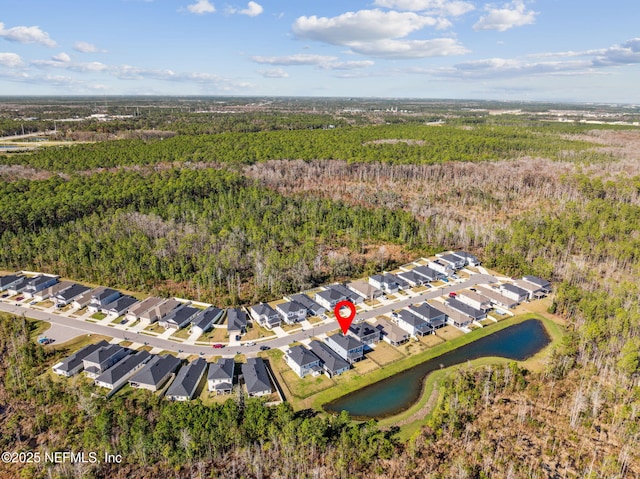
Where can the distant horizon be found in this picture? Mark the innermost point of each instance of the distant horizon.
(510, 50)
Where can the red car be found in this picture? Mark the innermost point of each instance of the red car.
(218, 346)
(452, 294)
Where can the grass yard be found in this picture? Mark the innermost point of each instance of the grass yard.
(384, 353)
(255, 331)
(449, 332)
(314, 319)
(155, 328)
(216, 335)
(45, 304)
(289, 328)
(98, 316)
(304, 387)
(181, 333)
(431, 340)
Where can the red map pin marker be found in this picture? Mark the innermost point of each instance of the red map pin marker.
(345, 322)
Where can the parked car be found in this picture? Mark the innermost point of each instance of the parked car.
(452, 294)
(4, 295)
(32, 303)
(250, 343)
(265, 348)
(473, 289)
(218, 346)
(238, 337)
(19, 298)
(124, 321)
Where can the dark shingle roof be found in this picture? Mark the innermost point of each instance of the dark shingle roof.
(328, 356)
(187, 379)
(302, 356)
(122, 303)
(7, 280)
(72, 292)
(410, 318)
(75, 360)
(236, 319)
(155, 370)
(307, 302)
(101, 355)
(347, 342)
(291, 307)
(464, 308)
(207, 317)
(255, 376)
(123, 368)
(514, 289)
(264, 309)
(426, 311)
(222, 369)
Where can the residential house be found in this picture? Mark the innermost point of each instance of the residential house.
(117, 375)
(329, 297)
(474, 300)
(470, 260)
(66, 296)
(402, 284)
(179, 318)
(384, 282)
(332, 364)
(100, 297)
(256, 378)
(38, 283)
(391, 333)
(82, 300)
(412, 278)
(265, 315)
(413, 324)
(348, 348)
(102, 359)
(496, 298)
(543, 284)
(455, 317)
(364, 289)
(428, 273)
(236, 321)
(18, 286)
(348, 294)
(292, 312)
(155, 373)
(436, 318)
(220, 378)
(145, 305)
(51, 291)
(313, 308)
(184, 386)
(442, 267)
(8, 281)
(302, 361)
(514, 292)
(456, 262)
(160, 310)
(205, 320)
(120, 306)
(463, 308)
(365, 333)
(73, 364)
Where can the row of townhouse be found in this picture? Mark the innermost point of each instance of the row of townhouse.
(112, 366)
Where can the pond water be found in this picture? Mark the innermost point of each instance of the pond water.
(399, 392)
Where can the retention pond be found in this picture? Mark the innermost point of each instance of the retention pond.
(399, 392)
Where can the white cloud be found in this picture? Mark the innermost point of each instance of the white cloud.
(253, 10)
(61, 57)
(378, 33)
(361, 26)
(325, 62)
(274, 73)
(85, 47)
(201, 7)
(511, 15)
(625, 54)
(446, 8)
(24, 34)
(297, 59)
(437, 47)
(11, 60)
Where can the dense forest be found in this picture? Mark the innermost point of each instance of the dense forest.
(238, 215)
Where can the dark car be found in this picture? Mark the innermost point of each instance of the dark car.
(265, 348)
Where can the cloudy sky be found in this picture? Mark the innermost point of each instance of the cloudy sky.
(521, 49)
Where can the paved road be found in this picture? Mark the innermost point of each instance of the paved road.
(85, 327)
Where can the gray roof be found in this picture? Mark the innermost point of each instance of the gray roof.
(426, 272)
(302, 356)
(207, 317)
(451, 258)
(347, 342)
(255, 376)
(70, 293)
(363, 329)
(146, 305)
(410, 318)
(103, 354)
(236, 319)
(514, 289)
(328, 356)
(123, 367)
(396, 279)
(222, 369)
(155, 370)
(412, 276)
(464, 255)
(307, 302)
(181, 316)
(5, 281)
(187, 379)
(101, 292)
(21, 284)
(543, 283)
(291, 307)
(75, 360)
(426, 311)
(264, 309)
(121, 304)
(331, 294)
(40, 280)
(464, 308)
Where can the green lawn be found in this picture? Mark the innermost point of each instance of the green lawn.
(98, 316)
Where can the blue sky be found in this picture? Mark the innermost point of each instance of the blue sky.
(516, 50)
